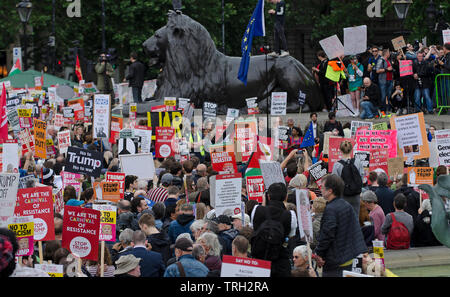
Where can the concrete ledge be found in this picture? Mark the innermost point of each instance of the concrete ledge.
(417, 257)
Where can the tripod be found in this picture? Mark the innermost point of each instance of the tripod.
(334, 106)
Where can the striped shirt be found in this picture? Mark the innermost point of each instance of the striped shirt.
(159, 194)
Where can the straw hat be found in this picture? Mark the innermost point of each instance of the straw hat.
(126, 264)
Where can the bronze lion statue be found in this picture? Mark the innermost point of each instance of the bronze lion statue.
(193, 68)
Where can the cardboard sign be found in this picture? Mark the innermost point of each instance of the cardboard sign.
(443, 146)
(412, 139)
(271, 172)
(378, 160)
(172, 119)
(334, 153)
(40, 136)
(226, 193)
(209, 110)
(64, 141)
(78, 108)
(405, 67)
(304, 214)
(10, 156)
(37, 202)
(145, 134)
(420, 175)
(163, 144)
(398, 43)
(357, 124)
(278, 103)
(84, 161)
(332, 47)
(141, 165)
(9, 183)
(395, 166)
(255, 188)
(380, 126)
(252, 106)
(81, 231)
(244, 267)
(111, 191)
(53, 270)
(355, 40)
(223, 162)
(101, 121)
(107, 221)
(170, 101)
(23, 228)
(369, 140)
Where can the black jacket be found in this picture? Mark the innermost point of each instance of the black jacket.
(374, 94)
(135, 75)
(329, 127)
(340, 238)
(425, 72)
(412, 200)
(161, 244)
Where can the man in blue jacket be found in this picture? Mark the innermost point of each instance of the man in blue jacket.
(183, 222)
(152, 264)
(186, 265)
(340, 239)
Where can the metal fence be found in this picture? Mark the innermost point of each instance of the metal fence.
(442, 87)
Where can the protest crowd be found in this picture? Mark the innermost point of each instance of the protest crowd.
(170, 196)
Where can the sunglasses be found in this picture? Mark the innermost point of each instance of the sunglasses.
(296, 257)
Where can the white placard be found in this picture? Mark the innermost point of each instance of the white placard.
(101, 116)
(303, 214)
(446, 36)
(232, 113)
(408, 130)
(271, 172)
(443, 146)
(244, 267)
(9, 183)
(346, 110)
(332, 47)
(355, 40)
(64, 141)
(10, 157)
(358, 124)
(226, 190)
(279, 103)
(141, 165)
(183, 103)
(146, 139)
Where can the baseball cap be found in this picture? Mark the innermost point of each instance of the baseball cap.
(223, 219)
(167, 179)
(184, 244)
(239, 216)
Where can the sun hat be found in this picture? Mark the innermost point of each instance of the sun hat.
(126, 264)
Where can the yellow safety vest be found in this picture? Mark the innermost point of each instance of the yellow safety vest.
(191, 140)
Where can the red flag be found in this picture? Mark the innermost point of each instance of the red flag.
(3, 116)
(78, 70)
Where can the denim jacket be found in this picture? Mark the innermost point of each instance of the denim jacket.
(192, 268)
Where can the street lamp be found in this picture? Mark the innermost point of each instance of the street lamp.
(24, 9)
(431, 13)
(401, 8)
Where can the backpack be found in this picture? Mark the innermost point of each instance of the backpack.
(398, 236)
(268, 239)
(352, 178)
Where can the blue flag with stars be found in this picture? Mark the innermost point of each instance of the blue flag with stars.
(255, 27)
(308, 140)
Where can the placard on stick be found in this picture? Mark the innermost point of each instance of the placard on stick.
(395, 166)
(398, 43)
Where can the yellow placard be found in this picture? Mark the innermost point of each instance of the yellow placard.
(24, 112)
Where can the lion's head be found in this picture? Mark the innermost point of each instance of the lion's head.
(192, 66)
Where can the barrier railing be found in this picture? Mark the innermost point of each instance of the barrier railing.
(442, 87)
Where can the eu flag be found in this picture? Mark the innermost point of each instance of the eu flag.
(255, 27)
(308, 140)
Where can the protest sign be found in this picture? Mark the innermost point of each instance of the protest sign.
(420, 175)
(271, 172)
(304, 214)
(346, 273)
(443, 146)
(398, 43)
(332, 47)
(111, 191)
(145, 134)
(64, 141)
(380, 126)
(369, 140)
(116, 127)
(318, 170)
(283, 137)
(364, 158)
(23, 228)
(246, 139)
(395, 166)
(25, 179)
(133, 111)
(40, 136)
(232, 113)
(126, 146)
(13, 119)
(101, 121)
(255, 188)
(445, 36)
(171, 119)
(223, 162)
(183, 103)
(412, 139)
(378, 160)
(163, 144)
(107, 221)
(9, 183)
(78, 108)
(209, 110)
(59, 202)
(405, 67)
(37, 202)
(357, 124)
(355, 40)
(141, 165)
(53, 270)
(226, 194)
(68, 112)
(244, 267)
(334, 153)
(10, 156)
(81, 231)
(118, 177)
(83, 161)
(278, 103)
(25, 119)
(252, 106)
(170, 101)
(71, 179)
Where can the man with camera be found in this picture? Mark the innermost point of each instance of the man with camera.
(423, 73)
(104, 72)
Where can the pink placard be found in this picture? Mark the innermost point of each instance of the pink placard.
(368, 140)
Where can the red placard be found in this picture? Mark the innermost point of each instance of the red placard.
(117, 177)
(81, 231)
(378, 159)
(37, 202)
(116, 126)
(78, 108)
(255, 188)
(163, 144)
(334, 153)
(223, 161)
